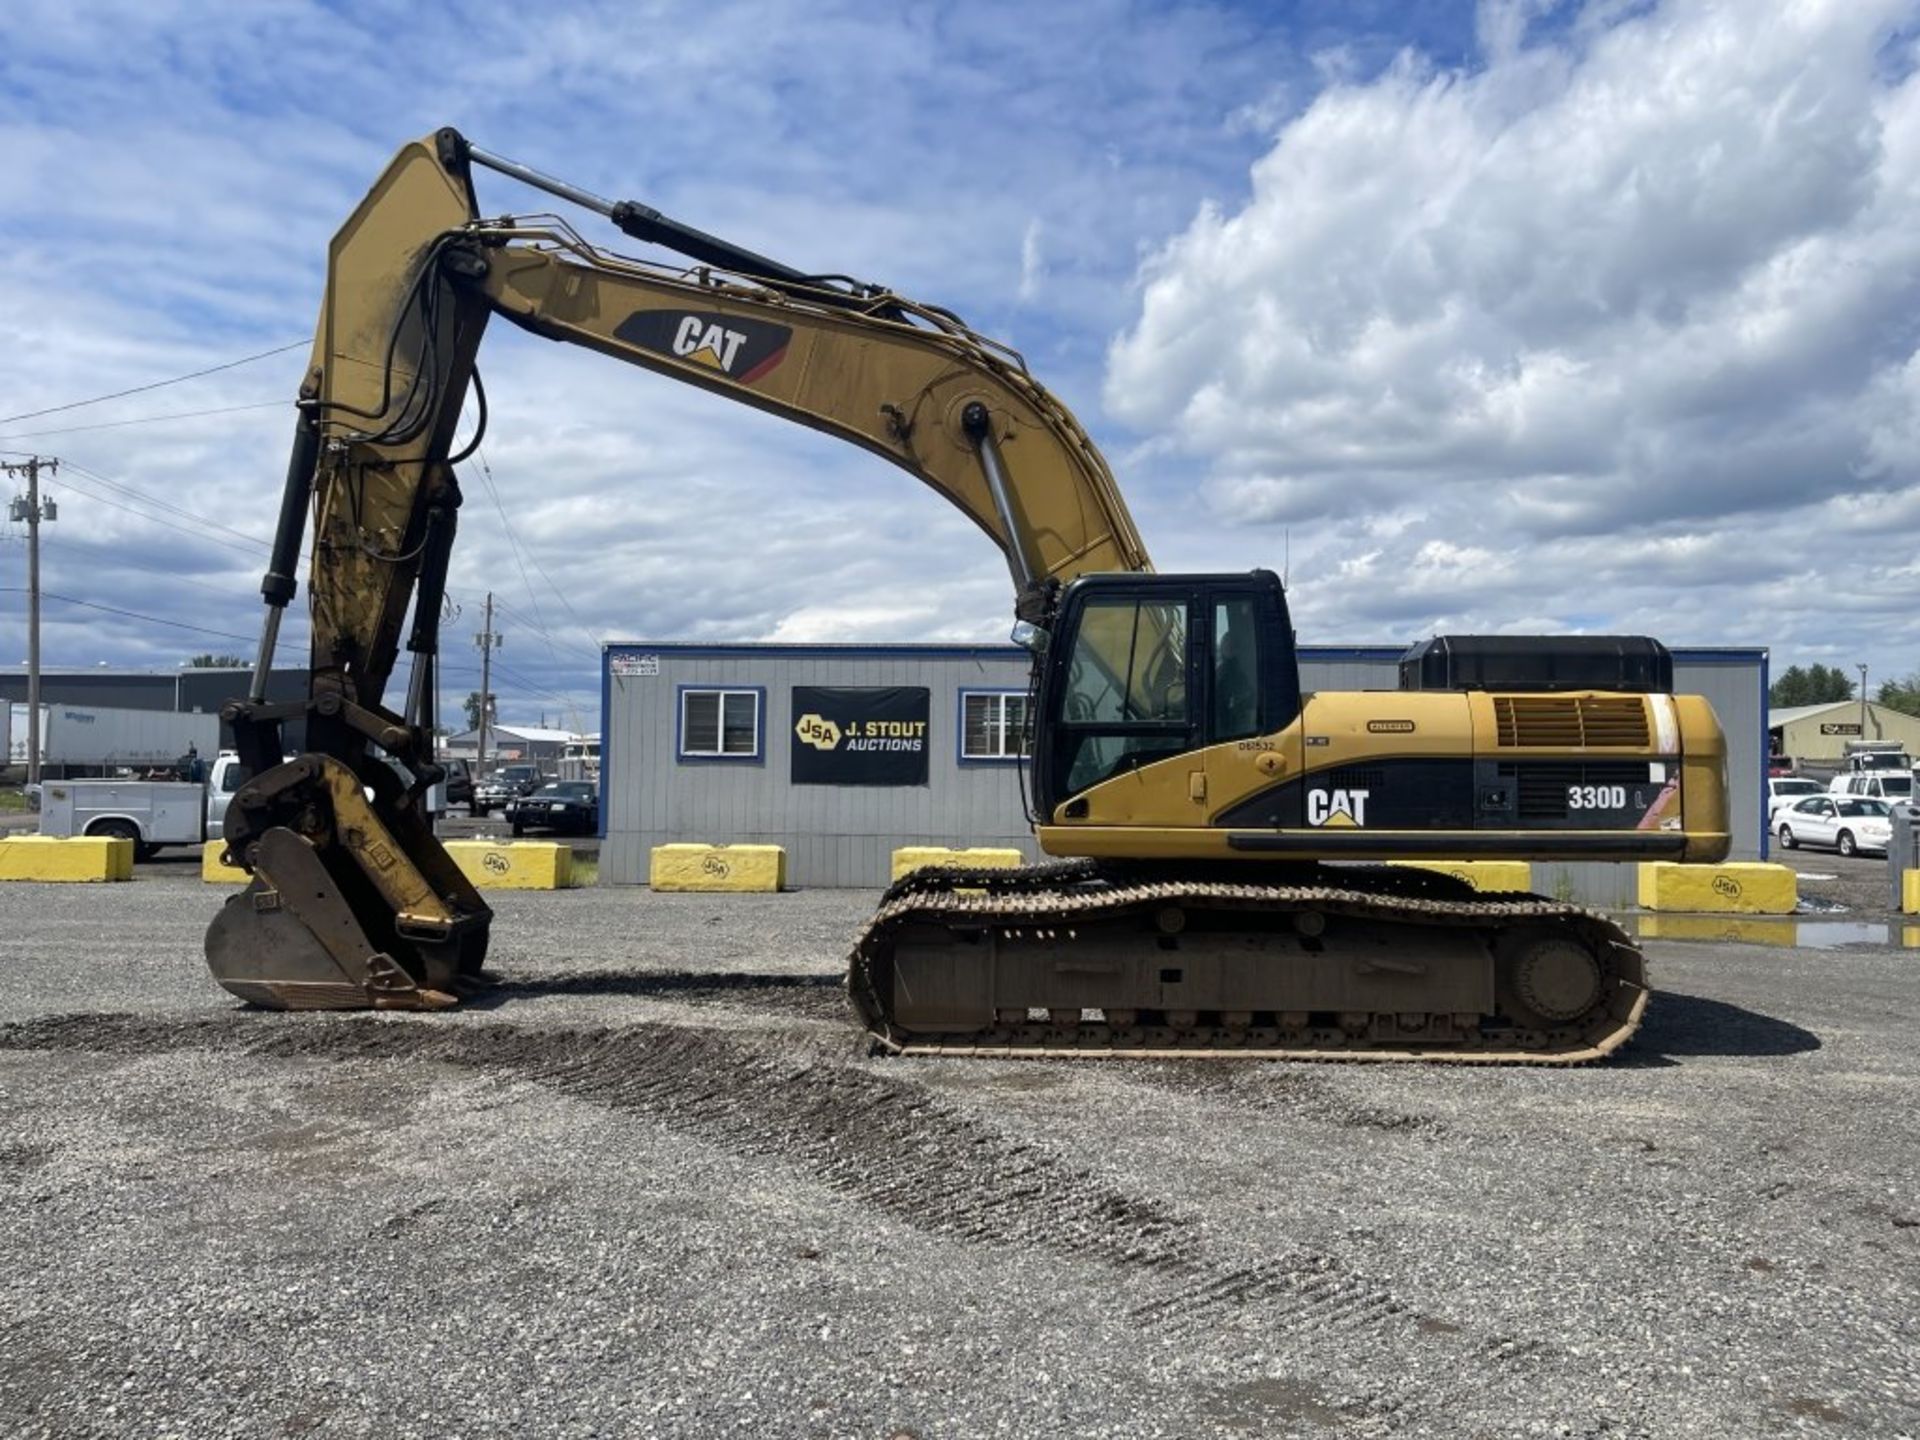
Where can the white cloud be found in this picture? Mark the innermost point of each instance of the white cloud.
(1653, 278)
(1033, 264)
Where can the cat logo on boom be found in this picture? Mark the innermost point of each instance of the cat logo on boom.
(735, 346)
(1337, 808)
(707, 342)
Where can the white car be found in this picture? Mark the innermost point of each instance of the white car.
(1851, 824)
(1893, 786)
(1785, 789)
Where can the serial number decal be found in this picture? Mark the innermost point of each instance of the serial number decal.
(1596, 797)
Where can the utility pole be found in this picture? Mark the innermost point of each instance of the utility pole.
(29, 509)
(1863, 702)
(488, 642)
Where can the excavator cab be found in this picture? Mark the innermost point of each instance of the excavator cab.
(1141, 668)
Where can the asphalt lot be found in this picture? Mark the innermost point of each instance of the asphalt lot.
(658, 1188)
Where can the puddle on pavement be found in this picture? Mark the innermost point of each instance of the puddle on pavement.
(1785, 932)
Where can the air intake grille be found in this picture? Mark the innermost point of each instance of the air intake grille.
(1541, 788)
(1570, 722)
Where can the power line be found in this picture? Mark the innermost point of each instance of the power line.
(129, 490)
(526, 684)
(156, 520)
(130, 614)
(119, 561)
(550, 638)
(146, 420)
(155, 385)
(513, 542)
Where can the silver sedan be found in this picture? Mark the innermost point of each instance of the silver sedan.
(1852, 825)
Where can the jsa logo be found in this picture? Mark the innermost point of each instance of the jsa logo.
(719, 343)
(1337, 807)
(817, 731)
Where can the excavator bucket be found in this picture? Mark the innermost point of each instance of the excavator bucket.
(365, 912)
(290, 941)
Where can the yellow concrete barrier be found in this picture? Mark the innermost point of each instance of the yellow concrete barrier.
(1481, 874)
(1910, 892)
(214, 872)
(1738, 889)
(909, 858)
(514, 864)
(731, 868)
(52, 857)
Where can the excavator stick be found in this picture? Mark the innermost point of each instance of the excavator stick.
(353, 905)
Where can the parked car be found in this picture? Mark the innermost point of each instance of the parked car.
(504, 784)
(1893, 786)
(1785, 789)
(565, 806)
(459, 783)
(1851, 824)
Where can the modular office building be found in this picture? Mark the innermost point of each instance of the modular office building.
(843, 753)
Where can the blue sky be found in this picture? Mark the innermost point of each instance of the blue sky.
(1514, 316)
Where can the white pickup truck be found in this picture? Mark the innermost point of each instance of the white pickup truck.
(151, 813)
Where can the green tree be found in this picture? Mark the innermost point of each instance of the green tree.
(1902, 695)
(1815, 685)
(218, 662)
(1829, 684)
(1789, 689)
(472, 706)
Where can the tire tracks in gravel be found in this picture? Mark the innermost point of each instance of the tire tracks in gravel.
(804, 996)
(880, 1140)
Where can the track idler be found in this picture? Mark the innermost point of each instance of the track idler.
(348, 909)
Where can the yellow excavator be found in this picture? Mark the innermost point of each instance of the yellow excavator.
(1206, 817)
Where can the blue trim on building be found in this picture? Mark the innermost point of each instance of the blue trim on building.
(846, 652)
(1722, 655)
(1326, 654)
(960, 755)
(606, 737)
(680, 757)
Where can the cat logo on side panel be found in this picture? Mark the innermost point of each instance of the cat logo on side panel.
(1337, 809)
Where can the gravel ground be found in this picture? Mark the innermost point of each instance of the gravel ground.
(658, 1188)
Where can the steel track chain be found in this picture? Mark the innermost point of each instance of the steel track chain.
(1073, 894)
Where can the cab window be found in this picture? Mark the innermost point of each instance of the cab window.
(1125, 700)
(1129, 663)
(1236, 670)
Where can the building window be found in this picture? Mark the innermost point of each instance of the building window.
(720, 724)
(993, 724)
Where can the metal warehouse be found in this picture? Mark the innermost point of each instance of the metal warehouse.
(1820, 734)
(842, 753)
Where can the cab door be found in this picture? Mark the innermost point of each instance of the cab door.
(1119, 699)
(1250, 701)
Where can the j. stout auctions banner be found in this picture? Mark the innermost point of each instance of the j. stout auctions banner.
(866, 736)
